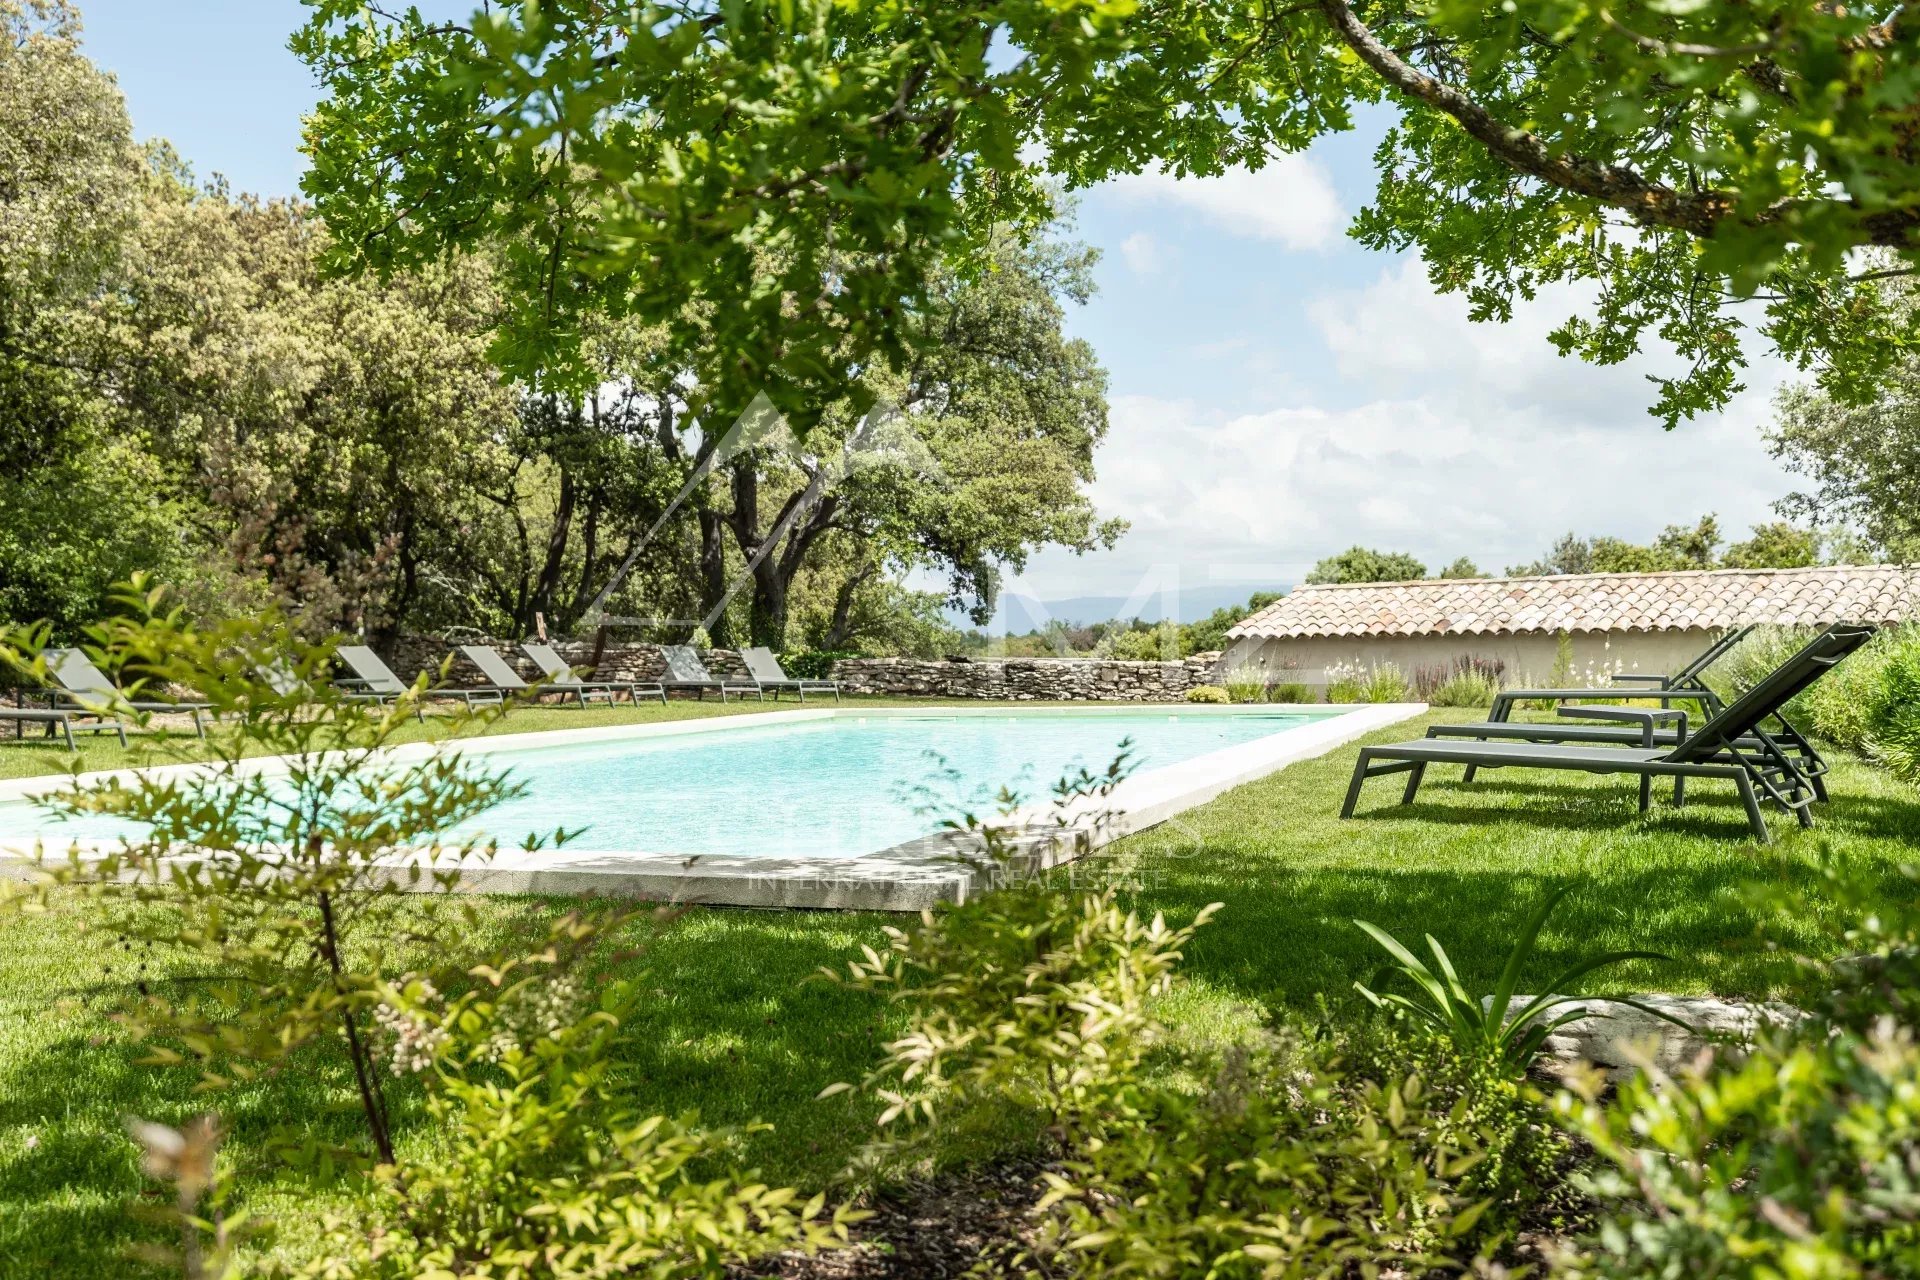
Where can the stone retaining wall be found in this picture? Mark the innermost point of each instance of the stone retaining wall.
(1028, 679)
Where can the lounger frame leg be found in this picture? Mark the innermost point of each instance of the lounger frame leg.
(1755, 818)
(1359, 780)
(1414, 775)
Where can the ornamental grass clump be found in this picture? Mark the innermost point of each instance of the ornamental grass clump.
(1359, 682)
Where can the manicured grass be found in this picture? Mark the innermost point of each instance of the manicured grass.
(736, 1029)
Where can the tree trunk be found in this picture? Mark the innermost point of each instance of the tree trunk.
(767, 617)
(546, 586)
(713, 575)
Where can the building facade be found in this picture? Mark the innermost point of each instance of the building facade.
(1580, 626)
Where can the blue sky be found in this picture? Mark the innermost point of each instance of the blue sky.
(1278, 392)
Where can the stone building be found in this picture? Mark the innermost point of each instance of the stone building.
(1649, 622)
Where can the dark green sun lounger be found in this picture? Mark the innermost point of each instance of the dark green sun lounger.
(563, 677)
(1733, 745)
(1688, 684)
(1634, 727)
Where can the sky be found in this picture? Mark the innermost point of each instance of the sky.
(1278, 392)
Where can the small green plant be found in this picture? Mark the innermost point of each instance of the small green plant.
(1246, 689)
(1492, 1030)
(1287, 1164)
(1358, 682)
(1465, 689)
(1795, 1160)
(278, 881)
(1290, 692)
(1026, 997)
(546, 1171)
(816, 664)
(1212, 693)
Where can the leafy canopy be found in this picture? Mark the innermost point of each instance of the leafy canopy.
(776, 181)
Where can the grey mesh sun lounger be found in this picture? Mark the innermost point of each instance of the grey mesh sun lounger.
(84, 686)
(686, 671)
(1732, 745)
(370, 675)
(64, 719)
(560, 676)
(767, 671)
(505, 678)
(282, 679)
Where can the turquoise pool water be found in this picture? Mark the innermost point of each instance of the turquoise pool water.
(828, 788)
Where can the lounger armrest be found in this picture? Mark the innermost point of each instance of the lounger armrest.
(1645, 717)
(1626, 677)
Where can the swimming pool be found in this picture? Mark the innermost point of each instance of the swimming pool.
(841, 794)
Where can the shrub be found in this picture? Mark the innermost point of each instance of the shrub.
(1464, 689)
(544, 1171)
(1797, 1158)
(1795, 1162)
(1290, 691)
(815, 664)
(1893, 724)
(1242, 689)
(1209, 693)
(1353, 682)
(1287, 1165)
(1025, 997)
(1871, 702)
(1469, 672)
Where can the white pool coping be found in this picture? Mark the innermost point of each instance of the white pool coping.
(905, 877)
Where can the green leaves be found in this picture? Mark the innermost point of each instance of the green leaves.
(1492, 1030)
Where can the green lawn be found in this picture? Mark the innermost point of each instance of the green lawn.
(736, 1031)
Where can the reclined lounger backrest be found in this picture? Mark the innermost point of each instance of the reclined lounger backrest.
(1779, 687)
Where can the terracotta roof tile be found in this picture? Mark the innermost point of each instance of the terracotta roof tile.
(1700, 598)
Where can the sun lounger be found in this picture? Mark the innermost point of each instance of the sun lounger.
(81, 684)
(769, 674)
(686, 671)
(560, 676)
(505, 678)
(370, 675)
(1688, 684)
(1732, 745)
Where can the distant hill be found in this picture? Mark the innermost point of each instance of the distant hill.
(1022, 613)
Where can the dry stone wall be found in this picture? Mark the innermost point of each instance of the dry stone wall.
(638, 662)
(1005, 679)
(1028, 679)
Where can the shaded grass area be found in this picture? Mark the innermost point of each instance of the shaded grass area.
(734, 1028)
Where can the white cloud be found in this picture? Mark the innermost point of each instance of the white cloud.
(1291, 200)
(1457, 439)
(1142, 253)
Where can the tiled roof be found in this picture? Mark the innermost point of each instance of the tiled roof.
(1704, 598)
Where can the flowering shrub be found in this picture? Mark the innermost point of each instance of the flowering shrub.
(1211, 693)
(1358, 682)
